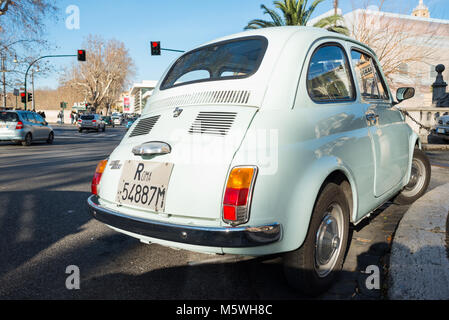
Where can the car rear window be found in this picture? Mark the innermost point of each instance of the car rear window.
(87, 117)
(9, 117)
(234, 59)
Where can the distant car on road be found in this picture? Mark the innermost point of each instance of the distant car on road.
(117, 118)
(442, 127)
(130, 123)
(25, 127)
(91, 122)
(108, 121)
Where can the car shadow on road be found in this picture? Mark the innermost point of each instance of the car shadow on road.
(32, 221)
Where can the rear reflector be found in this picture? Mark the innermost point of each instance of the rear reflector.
(97, 177)
(229, 213)
(237, 197)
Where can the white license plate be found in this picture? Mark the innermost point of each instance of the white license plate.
(144, 184)
(441, 131)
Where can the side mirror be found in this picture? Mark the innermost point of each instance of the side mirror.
(405, 93)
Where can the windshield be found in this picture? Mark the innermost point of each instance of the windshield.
(233, 59)
(87, 117)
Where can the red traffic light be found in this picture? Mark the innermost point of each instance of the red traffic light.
(155, 48)
(22, 94)
(81, 55)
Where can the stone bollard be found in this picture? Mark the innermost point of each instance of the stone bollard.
(439, 96)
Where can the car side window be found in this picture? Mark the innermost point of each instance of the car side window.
(329, 77)
(28, 117)
(368, 77)
(39, 119)
(33, 118)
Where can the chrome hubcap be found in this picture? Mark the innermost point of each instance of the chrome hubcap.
(417, 179)
(328, 240)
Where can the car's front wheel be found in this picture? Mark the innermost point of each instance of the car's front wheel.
(419, 179)
(312, 268)
(51, 138)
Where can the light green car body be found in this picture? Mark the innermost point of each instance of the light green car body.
(311, 143)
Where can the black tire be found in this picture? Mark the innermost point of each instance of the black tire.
(80, 130)
(419, 180)
(51, 138)
(28, 140)
(301, 267)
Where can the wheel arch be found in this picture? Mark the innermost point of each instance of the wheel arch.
(306, 193)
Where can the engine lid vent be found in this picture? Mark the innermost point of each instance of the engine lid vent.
(236, 97)
(144, 126)
(215, 123)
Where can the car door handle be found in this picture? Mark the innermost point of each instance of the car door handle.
(152, 148)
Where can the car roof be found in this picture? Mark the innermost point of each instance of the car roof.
(286, 32)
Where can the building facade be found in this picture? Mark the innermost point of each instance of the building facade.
(135, 100)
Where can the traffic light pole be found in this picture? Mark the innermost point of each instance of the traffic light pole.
(173, 50)
(32, 63)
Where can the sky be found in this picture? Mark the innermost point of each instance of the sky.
(178, 24)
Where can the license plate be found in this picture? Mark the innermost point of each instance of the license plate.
(441, 131)
(144, 184)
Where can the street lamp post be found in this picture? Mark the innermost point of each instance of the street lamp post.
(32, 63)
(4, 79)
(32, 86)
(3, 65)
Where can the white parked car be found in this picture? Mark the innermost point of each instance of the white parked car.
(264, 142)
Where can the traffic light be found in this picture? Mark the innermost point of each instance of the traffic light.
(23, 97)
(155, 48)
(30, 97)
(81, 55)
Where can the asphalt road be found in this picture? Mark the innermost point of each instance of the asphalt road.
(45, 228)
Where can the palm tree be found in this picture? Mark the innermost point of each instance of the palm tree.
(296, 13)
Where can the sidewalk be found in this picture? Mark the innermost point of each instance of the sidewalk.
(435, 147)
(419, 262)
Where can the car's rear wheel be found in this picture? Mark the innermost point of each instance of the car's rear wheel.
(419, 179)
(312, 268)
(51, 138)
(28, 140)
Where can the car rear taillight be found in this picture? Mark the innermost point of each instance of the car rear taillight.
(238, 193)
(97, 177)
(93, 121)
(19, 125)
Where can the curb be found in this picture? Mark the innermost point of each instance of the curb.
(419, 264)
(435, 147)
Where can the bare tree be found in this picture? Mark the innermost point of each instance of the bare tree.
(26, 16)
(104, 75)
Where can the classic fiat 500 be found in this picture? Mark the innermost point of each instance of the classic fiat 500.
(271, 141)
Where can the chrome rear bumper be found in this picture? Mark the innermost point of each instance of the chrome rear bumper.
(225, 237)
